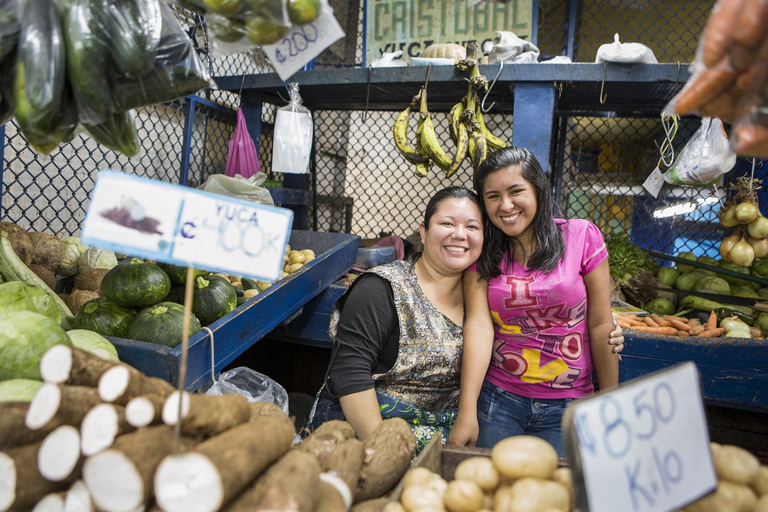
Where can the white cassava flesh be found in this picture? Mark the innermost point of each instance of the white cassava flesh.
(99, 428)
(177, 474)
(51, 503)
(7, 481)
(140, 412)
(113, 383)
(59, 453)
(44, 406)
(78, 498)
(69, 365)
(113, 481)
(171, 408)
(56, 364)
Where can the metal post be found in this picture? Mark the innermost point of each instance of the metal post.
(573, 9)
(2, 165)
(563, 121)
(365, 30)
(534, 22)
(186, 148)
(534, 119)
(251, 105)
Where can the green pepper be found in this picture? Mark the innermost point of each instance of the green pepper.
(727, 312)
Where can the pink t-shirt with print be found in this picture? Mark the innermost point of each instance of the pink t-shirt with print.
(541, 345)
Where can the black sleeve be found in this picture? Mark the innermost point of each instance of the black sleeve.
(367, 339)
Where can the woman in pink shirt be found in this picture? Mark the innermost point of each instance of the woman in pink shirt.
(538, 310)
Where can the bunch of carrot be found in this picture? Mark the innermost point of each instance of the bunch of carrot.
(671, 325)
(733, 59)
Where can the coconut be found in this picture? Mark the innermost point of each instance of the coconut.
(48, 277)
(20, 241)
(48, 250)
(79, 297)
(91, 279)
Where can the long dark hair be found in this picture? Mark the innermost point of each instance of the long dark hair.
(448, 193)
(550, 243)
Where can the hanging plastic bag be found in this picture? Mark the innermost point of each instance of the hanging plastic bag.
(177, 71)
(136, 27)
(242, 158)
(293, 136)
(118, 133)
(9, 27)
(625, 53)
(250, 189)
(705, 157)
(254, 386)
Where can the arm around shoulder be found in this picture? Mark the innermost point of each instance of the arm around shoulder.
(600, 320)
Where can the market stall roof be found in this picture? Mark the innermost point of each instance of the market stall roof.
(630, 89)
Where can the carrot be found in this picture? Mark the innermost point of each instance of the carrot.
(680, 325)
(712, 333)
(750, 27)
(702, 88)
(711, 321)
(755, 332)
(669, 318)
(659, 320)
(622, 324)
(650, 322)
(668, 331)
(718, 32)
(724, 106)
(694, 322)
(682, 333)
(741, 56)
(696, 330)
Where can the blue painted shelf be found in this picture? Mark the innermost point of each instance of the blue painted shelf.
(233, 334)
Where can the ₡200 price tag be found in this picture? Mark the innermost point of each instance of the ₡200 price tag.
(303, 43)
(188, 227)
(643, 447)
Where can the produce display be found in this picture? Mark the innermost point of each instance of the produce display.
(467, 127)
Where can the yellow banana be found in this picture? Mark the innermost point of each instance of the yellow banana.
(462, 145)
(400, 135)
(428, 137)
(422, 170)
(478, 148)
(493, 141)
(454, 118)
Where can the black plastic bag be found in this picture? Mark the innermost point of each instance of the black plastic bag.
(9, 27)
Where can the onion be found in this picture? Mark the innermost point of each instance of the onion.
(730, 323)
(727, 217)
(758, 228)
(746, 212)
(727, 244)
(759, 245)
(742, 254)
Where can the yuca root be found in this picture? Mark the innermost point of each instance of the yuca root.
(78, 498)
(259, 409)
(55, 405)
(326, 438)
(219, 468)
(53, 502)
(59, 456)
(374, 505)
(120, 478)
(289, 484)
(329, 499)
(144, 410)
(67, 365)
(19, 465)
(13, 431)
(205, 415)
(388, 453)
(122, 382)
(101, 426)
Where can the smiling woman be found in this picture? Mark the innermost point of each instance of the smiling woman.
(398, 330)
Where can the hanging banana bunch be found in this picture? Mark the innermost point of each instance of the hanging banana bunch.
(415, 156)
(431, 144)
(478, 145)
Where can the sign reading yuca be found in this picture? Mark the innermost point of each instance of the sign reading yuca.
(412, 25)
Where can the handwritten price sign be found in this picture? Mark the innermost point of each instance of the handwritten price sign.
(643, 447)
(302, 44)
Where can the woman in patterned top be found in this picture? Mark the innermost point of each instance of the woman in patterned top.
(538, 310)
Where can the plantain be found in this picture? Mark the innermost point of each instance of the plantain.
(400, 134)
(478, 147)
(428, 137)
(493, 141)
(462, 146)
(422, 169)
(454, 118)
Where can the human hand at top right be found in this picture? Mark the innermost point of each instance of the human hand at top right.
(464, 432)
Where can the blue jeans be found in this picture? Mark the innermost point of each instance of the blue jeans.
(502, 414)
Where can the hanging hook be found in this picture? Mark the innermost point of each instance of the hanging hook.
(242, 82)
(426, 78)
(482, 103)
(602, 86)
(367, 95)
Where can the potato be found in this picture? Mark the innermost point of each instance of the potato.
(438, 484)
(502, 498)
(418, 497)
(714, 502)
(537, 494)
(262, 285)
(735, 464)
(296, 257)
(760, 483)
(742, 496)
(250, 293)
(463, 496)
(287, 248)
(294, 267)
(488, 501)
(479, 470)
(524, 456)
(564, 477)
(237, 284)
(417, 476)
(762, 504)
(394, 506)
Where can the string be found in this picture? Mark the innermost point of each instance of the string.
(667, 150)
(213, 369)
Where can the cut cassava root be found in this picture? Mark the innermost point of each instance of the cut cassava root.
(78, 498)
(206, 414)
(51, 503)
(144, 410)
(21, 484)
(121, 383)
(101, 426)
(67, 365)
(13, 431)
(389, 450)
(56, 405)
(59, 456)
(219, 468)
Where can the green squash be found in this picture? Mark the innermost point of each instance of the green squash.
(214, 298)
(136, 284)
(162, 324)
(104, 317)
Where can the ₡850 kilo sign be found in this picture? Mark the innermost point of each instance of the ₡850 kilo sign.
(184, 226)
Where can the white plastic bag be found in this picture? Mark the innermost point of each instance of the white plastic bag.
(250, 189)
(705, 157)
(254, 386)
(509, 48)
(293, 136)
(625, 53)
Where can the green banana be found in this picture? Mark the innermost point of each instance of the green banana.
(400, 135)
(478, 146)
(428, 137)
(454, 118)
(462, 146)
(422, 169)
(493, 141)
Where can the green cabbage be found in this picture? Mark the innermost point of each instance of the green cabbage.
(94, 257)
(19, 296)
(19, 390)
(24, 338)
(73, 248)
(712, 284)
(94, 343)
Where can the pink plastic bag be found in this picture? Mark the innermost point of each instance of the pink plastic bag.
(242, 158)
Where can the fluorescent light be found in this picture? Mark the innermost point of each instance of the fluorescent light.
(677, 209)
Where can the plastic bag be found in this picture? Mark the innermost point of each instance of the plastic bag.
(118, 133)
(293, 136)
(250, 189)
(177, 71)
(387, 60)
(705, 157)
(136, 27)
(242, 158)
(253, 385)
(509, 48)
(625, 53)
(9, 27)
